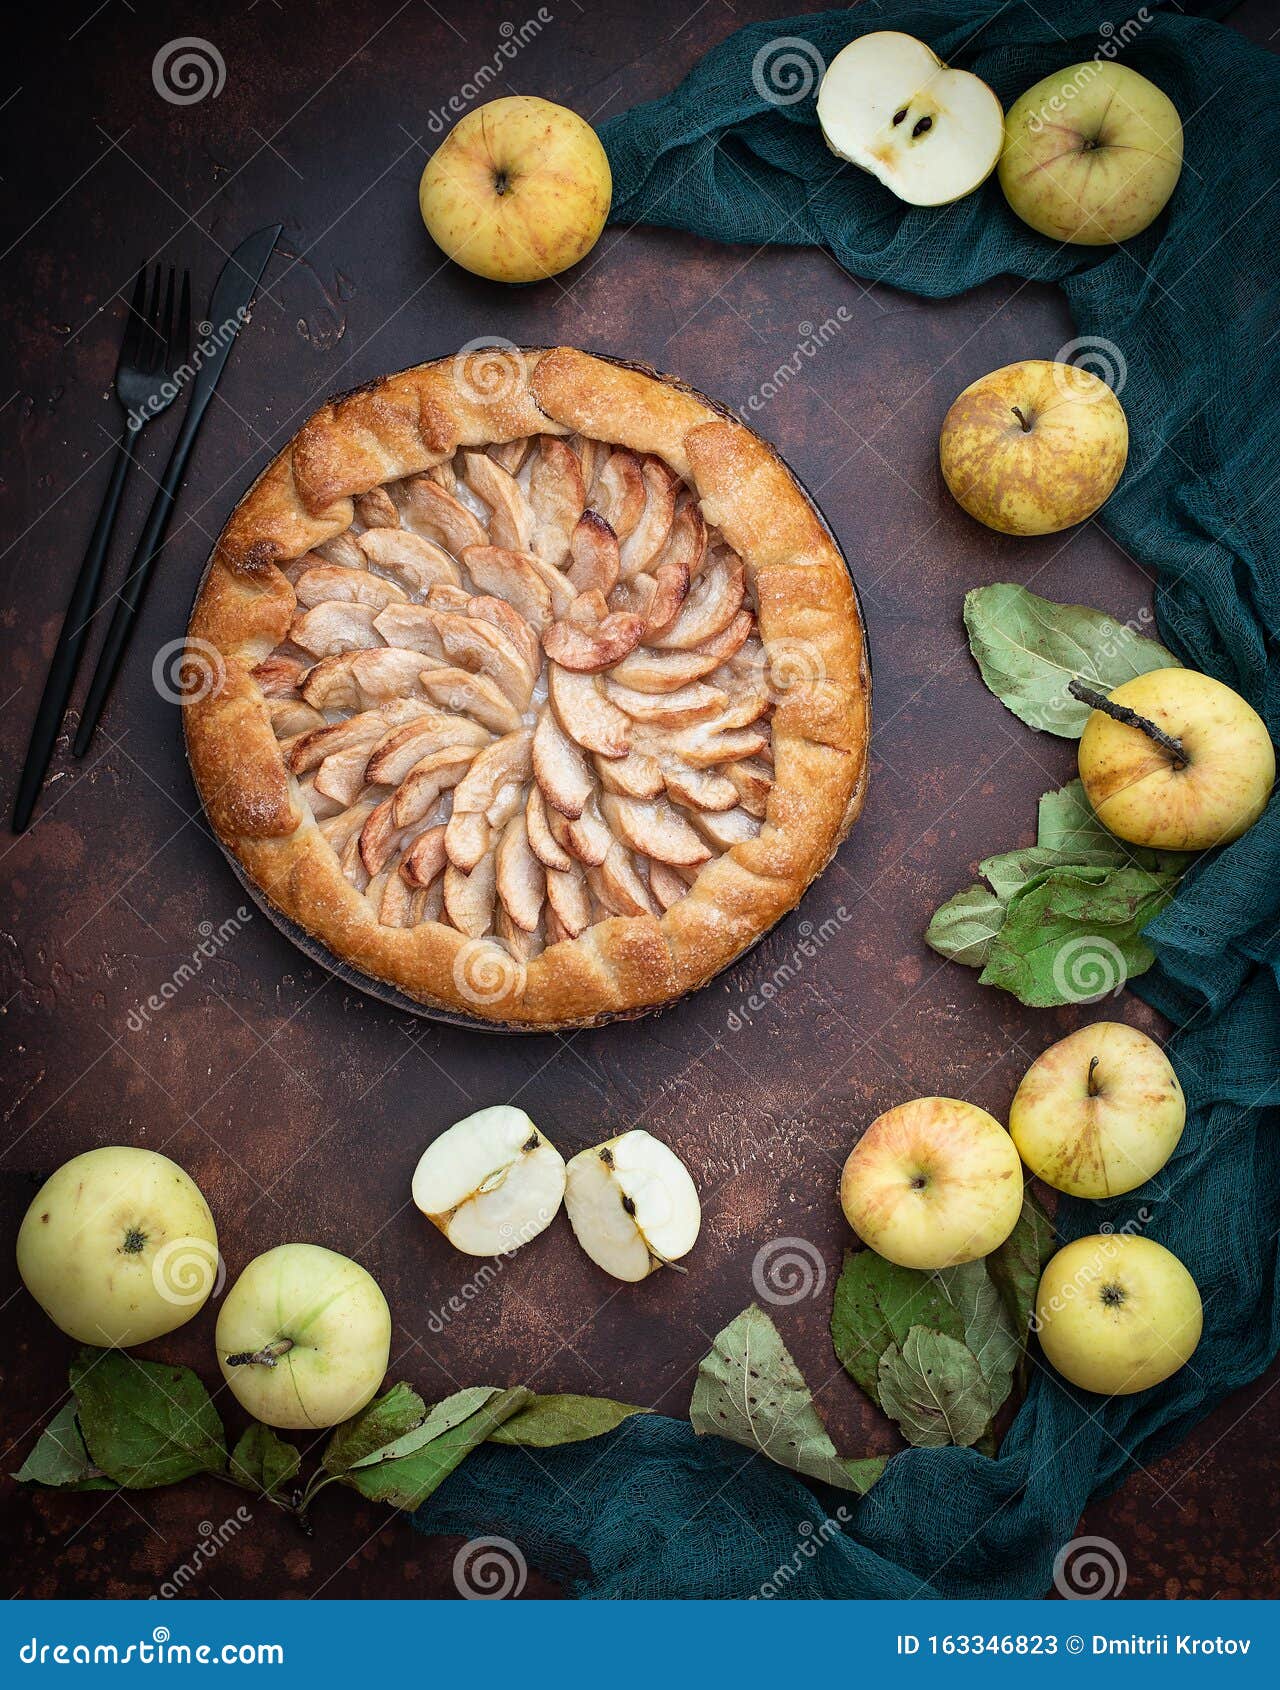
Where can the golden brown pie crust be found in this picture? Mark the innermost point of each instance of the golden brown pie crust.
(405, 424)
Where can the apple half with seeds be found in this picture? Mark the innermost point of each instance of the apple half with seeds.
(633, 1205)
(491, 1182)
(889, 105)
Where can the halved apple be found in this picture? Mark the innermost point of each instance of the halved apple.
(632, 1205)
(491, 1182)
(889, 105)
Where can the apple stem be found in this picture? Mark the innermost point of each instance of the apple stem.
(1026, 426)
(1093, 1064)
(1121, 713)
(268, 1356)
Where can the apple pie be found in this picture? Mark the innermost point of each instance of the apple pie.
(529, 683)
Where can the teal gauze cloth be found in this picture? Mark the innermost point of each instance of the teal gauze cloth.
(652, 1510)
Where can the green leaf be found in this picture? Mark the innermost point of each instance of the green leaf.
(963, 928)
(986, 1328)
(263, 1460)
(1029, 649)
(933, 1387)
(552, 1420)
(441, 1417)
(145, 1424)
(60, 1458)
(1067, 824)
(407, 1480)
(750, 1391)
(1072, 938)
(1017, 1264)
(876, 1304)
(1014, 871)
(378, 1424)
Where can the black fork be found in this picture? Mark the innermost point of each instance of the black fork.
(157, 338)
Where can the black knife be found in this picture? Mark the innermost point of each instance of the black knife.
(232, 297)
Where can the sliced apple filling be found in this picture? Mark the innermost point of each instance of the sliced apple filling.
(524, 693)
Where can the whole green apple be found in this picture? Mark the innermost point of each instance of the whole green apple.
(1099, 1112)
(1117, 1314)
(304, 1337)
(119, 1247)
(1091, 154)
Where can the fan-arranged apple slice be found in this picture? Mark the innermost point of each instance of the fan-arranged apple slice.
(327, 584)
(415, 564)
(491, 1182)
(632, 1205)
(594, 556)
(427, 509)
(560, 768)
(557, 496)
(889, 105)
(339, 626)
(460, 690)
(509, 575)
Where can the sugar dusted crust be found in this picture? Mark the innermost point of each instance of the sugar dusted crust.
(808, 623)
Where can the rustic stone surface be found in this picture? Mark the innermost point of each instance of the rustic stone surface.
(301, 1107)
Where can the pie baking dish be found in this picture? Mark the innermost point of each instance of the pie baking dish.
(529, 683)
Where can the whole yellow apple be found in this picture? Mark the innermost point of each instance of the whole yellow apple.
(1099, 1112)
(1091, 154)
(304, 1337)
(1117, 1314)
(119, 1247)
(517, 191)
(933, 1183)
(1034, 447)
(1146, 793)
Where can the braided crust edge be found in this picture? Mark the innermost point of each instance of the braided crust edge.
(404, 424)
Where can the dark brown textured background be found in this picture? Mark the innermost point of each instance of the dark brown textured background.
(301, 1107)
